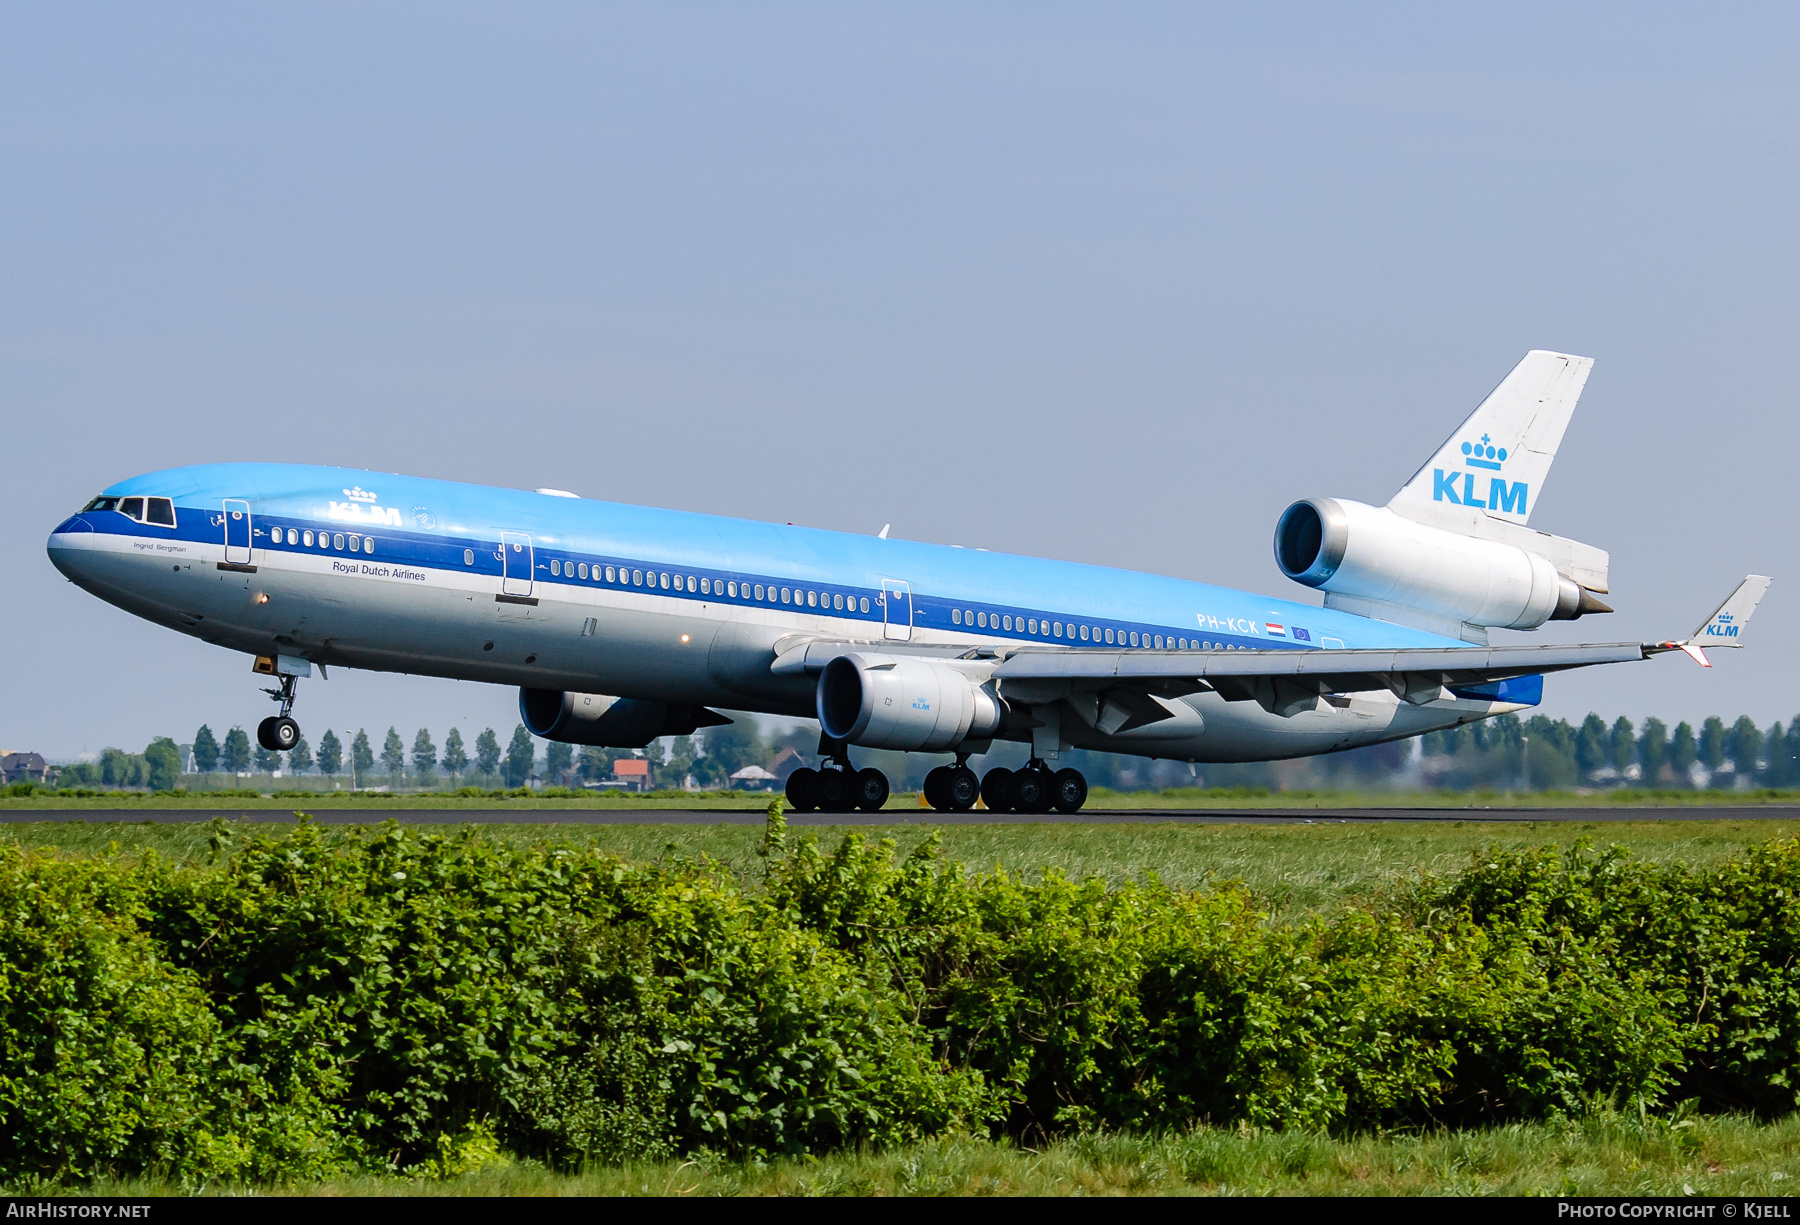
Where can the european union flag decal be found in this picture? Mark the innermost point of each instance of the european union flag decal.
(1299, 634)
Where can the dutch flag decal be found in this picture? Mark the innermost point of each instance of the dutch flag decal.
(1277, 631)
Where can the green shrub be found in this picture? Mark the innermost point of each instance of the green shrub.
(390, 1000)
(110, 1056)
(456, 979)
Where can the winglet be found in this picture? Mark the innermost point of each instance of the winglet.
(1725, 628)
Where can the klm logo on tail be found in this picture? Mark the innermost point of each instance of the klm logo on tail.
(1722, 626)
(1459, 487)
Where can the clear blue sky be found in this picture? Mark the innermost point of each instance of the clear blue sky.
(1103, 282)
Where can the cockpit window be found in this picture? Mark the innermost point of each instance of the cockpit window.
(158, 512)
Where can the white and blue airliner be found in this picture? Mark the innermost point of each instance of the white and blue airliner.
(619, 624)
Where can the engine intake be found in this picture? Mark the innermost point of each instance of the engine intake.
(1349, 548)
(897, 702)
(618, 723)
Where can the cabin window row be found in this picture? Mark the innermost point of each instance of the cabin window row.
(1073, 631)
(352, 542)
(728, 588)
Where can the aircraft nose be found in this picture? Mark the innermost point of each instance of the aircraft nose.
(64, 546)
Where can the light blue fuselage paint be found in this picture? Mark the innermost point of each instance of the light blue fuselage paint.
(438, 578)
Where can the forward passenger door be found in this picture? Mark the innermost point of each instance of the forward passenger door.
(237, 532)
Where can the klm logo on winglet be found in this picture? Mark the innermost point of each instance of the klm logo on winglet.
(1459, 487)
(1722, 626)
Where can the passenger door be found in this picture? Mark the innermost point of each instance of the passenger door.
(237, 532)
(516, 564)
(897, 610)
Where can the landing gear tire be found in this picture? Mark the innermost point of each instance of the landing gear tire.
(278, 733)
(962, 788)
(803, 789)
(835, 791)
(1031, 789)
(1068, 791)
(869, 788)
(997, 789)
(937, 789)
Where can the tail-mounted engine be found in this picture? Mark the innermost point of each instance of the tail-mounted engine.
(1357, 552)
(900, 702)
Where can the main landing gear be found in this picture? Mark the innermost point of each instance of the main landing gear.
(279, 733)
(839, 787)
(1036, 788)
(952, 788)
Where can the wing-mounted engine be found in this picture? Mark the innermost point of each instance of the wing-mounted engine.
(597, 719)
(1369, 560)
(904, 702)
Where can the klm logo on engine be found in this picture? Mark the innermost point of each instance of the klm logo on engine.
(921, 704)
(1460, 487)
(1721, 626)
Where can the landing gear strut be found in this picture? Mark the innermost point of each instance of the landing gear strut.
(839, 786)
(1034, 789)
(279, 733)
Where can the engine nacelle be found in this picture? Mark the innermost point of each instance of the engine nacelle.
(1353, 549)
(619, 723)
(901, 702)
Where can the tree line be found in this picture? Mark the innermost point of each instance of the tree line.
(1538, 753)
(1543, 753)
(706, 761)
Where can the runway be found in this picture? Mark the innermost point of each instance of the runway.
(910, 816)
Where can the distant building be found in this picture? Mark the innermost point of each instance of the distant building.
(786, 762)
(752, 777)
(633, 772)
(26, 768)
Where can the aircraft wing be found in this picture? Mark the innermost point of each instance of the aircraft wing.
(1288, 681)
(1283, 681)
(1344, 671)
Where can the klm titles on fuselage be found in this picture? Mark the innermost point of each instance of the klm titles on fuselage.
(359, 509)
(1459, 487)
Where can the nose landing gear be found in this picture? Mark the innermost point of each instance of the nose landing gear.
(279, 733)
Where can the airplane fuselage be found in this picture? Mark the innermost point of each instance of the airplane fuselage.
(356, 569)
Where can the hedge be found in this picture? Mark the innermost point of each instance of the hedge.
(330, 1000)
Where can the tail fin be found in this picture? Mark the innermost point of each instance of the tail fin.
(1497, 460)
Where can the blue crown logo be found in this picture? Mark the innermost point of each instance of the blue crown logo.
(1725, 618)
(1483, 454)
